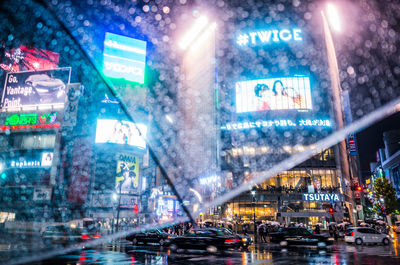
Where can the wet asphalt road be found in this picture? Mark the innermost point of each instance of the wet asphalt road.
(124, 253)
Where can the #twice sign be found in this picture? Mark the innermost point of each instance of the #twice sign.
(35, 88)
(269, 36)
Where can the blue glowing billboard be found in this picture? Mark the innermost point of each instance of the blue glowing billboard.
(124, 57)
(287, 93)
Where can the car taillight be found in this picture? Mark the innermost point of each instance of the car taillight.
(352, 234)
(228, 241)
(84, 236)
(97, 236)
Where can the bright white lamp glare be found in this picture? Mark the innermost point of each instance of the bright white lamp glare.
(333, 17)
(198, 27)
(169, 118)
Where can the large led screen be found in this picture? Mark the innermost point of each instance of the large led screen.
(121, 132)
(124, 57)
(288, 93)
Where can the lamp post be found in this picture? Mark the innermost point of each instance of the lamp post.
(115, 197)
(253, 193)
(342, 159)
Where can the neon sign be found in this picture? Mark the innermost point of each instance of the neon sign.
(124, 57)
(320, 197)
(269, 36)
(46, 160)
(30, 121)
(277, 123)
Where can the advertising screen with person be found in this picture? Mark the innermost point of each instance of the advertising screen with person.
(127, 178)
(121, 132)
(288, 93)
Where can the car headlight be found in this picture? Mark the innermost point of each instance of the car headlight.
(244, 239)
(331, 239)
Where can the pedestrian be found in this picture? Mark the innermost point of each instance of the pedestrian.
(336, 234)
(331, 230)
(264, 233)
(244, 228)
(317, 230)
(260, 232)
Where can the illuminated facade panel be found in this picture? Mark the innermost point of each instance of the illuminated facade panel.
(124, 57)
(288, 93)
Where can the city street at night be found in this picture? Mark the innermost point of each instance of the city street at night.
(124, 253)
(199, 132)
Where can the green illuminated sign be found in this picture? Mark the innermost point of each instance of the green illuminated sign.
(30, 119)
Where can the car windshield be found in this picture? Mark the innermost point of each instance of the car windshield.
(124, 116)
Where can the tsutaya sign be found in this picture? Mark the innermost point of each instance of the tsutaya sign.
(270, 36)
(320, 197)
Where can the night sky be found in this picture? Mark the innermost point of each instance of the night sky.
(371, 139)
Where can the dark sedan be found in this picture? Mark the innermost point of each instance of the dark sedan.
(299, 236)
(154, 236)
(211, 240)
(62, 234)
(245, 241)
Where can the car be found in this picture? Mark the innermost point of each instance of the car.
(154, 236)
(397, 227)
(292, 236)
(246, 241)
(46, 87)
(211, 240)
(361, 235)
(62, 234)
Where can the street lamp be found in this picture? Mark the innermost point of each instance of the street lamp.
(192, 34)
(333, 17)
(253, 193)
(337, 103)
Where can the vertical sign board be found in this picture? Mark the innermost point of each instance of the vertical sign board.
(80, 170)
(127, 178)
(352, 145)
(71, 105)
(124, 57)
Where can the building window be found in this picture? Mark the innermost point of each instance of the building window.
(38, 141)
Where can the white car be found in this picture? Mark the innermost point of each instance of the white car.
(361, 235)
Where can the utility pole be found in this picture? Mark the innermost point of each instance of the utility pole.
(253, 193)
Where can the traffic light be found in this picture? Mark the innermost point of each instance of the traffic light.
(356, 188)
(331, 210)
(3, 175)
(136, 208)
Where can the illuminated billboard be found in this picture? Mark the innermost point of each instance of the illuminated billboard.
(29, 121)
(25, 59)
(35, 88)
(269, 36)
(124, 57)
(288, 93)
(121, 132)
(127, 179)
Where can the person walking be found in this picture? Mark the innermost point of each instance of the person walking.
(317, 230)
